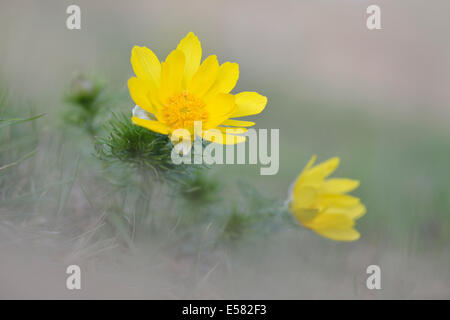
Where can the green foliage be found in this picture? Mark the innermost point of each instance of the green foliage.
(8, 135)
(255, 215)
(9, 122)
(142, 149)
(15, 163)
(87, 97)
(201, 188)
(19, 141)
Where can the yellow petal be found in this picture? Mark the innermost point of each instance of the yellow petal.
(192, 49)
(145, 64)
(181, 140)
(229, 130)
(152, 125)
(153, 95)
(357, 211)
(213, 135)
(333, 226)
(219, 109)
(238, 123)
(180, 134)
(172, 71)
(303, 197)
(316, 175)
(249, 103)
(310, 163)
(301, 178)
(138, 92)
(227, 139)
(304, 215)
(330, 221)
(326, 168)
(232, 139)
(337, 200)
(205, 77)
(339, 185)
(354, 212)
(230, 135)
(226, 79)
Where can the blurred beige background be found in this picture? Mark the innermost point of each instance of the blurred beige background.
(311, 47)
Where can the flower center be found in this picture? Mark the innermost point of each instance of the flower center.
(183, 109)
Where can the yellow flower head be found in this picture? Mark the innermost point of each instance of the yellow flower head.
(175, 93)
(322, 204)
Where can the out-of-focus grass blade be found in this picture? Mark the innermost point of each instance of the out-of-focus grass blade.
(29, 155)
(120, 225)
(65, 191)
(9, 122)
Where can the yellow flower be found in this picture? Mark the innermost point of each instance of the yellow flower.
(179, 91)
(322, 204)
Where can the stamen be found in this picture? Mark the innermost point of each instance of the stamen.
(183, 109)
